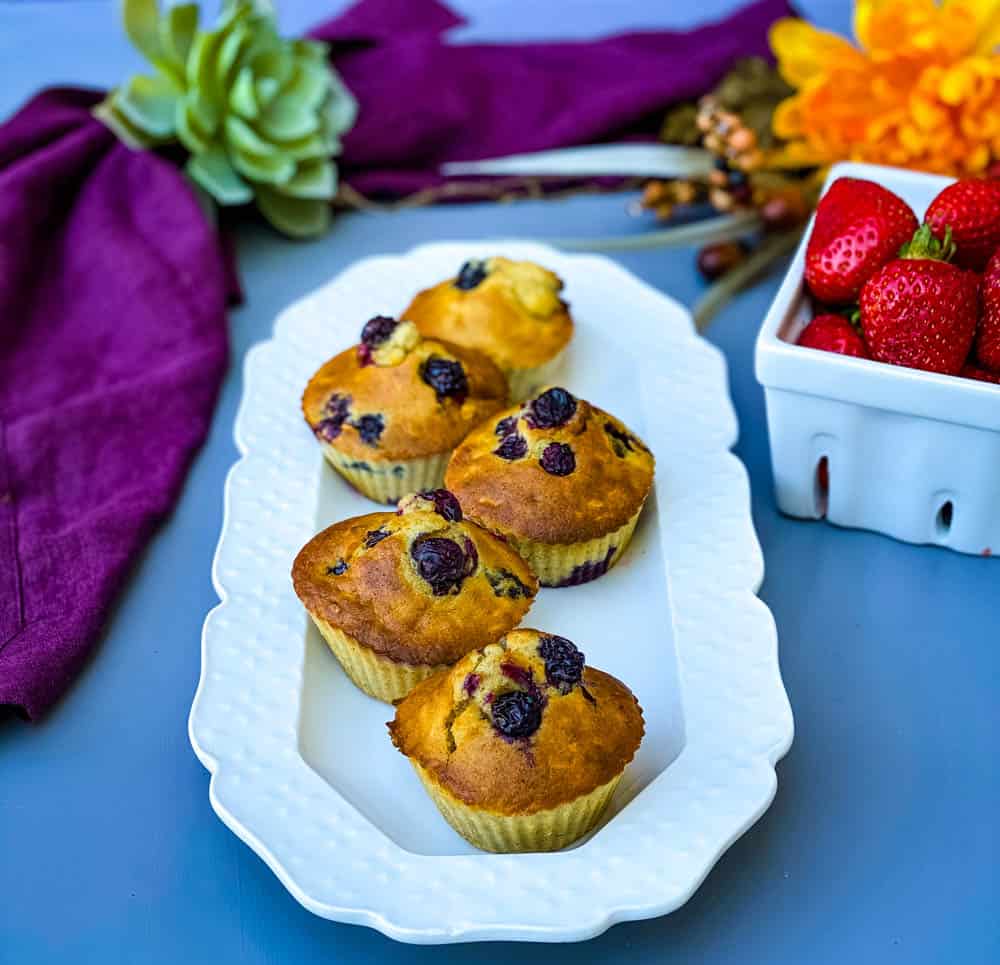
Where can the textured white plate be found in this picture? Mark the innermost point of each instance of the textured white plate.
(302, 767)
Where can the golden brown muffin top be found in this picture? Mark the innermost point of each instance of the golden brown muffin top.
(520, 726)
(511, 310)
(397, 395)
(555, 469)
(420, 585)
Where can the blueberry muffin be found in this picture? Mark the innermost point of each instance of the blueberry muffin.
(389, 411)
(400, 595)
(511, 310)
(563, 481)
(520, 745)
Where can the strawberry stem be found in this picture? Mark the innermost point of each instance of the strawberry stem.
(923, 244)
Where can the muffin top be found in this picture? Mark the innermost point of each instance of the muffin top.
(520, 726)
(398, 395)
(420, 585)
(555, 469)
(511, 310)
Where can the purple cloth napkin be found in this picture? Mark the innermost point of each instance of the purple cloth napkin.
(424, 101)
(113, 344)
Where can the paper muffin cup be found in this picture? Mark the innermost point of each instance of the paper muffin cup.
(570, 564)
(525, 382)
(548, 830)
(386, 481)
(376, 675)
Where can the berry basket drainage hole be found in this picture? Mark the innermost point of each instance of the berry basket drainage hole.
(944, 518)
(821, 487)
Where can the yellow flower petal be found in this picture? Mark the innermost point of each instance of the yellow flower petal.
(978, 158)
(804, 52)
(787, 118)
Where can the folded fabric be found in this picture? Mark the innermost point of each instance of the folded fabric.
(424, 101)
(113, 345)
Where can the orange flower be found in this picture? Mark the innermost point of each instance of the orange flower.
(921, 89)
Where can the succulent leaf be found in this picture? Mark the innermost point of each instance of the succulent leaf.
(142, 24)
(212, 171)
(176, 33)
(121, 127)
(296, 217)
(314, 179)
(260, 116)
(149, 103)
(243, 96)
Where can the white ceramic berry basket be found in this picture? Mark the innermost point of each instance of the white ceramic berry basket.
(302, 767)
(911, 454)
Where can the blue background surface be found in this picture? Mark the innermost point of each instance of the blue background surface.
(882, 844)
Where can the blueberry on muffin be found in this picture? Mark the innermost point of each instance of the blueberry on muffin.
(511, 310)
(389, 411)
(563, 481)
(520, 744)
(401, 595)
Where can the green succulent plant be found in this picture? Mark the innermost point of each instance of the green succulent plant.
(260, 116)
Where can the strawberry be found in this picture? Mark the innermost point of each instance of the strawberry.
(988, 342)
(971, 371)
(833, 333)
(859, 227)
(920, 311)
(971, 208)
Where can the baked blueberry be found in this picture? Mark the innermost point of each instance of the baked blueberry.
(471, 275)
(553, 408)
(517, 713)
(446, 377)
(338, 569)
(370, 428)
(512, 447)
(506, 584)
(377, 330)
(520, 675)
(558, 459)
(590, 570)
(375, 536)
(563, 662)
(622, 442)
(443, 563)
(445, 504)
(335, 413)
(506, 426)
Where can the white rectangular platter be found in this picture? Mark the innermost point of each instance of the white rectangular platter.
(302, 767)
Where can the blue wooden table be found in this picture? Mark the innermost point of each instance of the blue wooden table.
(882, 844)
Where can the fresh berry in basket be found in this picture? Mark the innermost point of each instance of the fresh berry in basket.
(859, 227)
(920, 311)
(834, 333)
(971, 208)
(972, 371)
(988, 343)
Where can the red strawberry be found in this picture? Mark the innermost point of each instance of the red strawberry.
(972, 210)
(970, 371)
(918, 310)
(859, 227)
(988, 343)
(833, 333)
